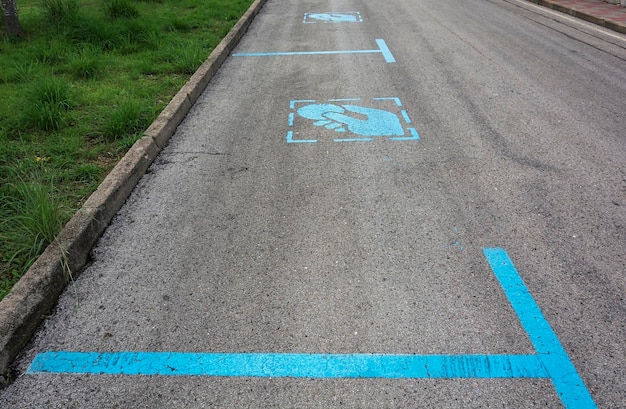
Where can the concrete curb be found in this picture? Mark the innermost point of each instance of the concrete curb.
(610, 24)
(23, 309)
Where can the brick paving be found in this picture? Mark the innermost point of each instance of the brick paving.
(612, 16)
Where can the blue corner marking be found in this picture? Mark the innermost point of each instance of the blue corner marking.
(568, 384)
(382, 48)
(394, 99)
(291, 140)
(414, 136)
(293, 103)
(551, 361)
(385, 50)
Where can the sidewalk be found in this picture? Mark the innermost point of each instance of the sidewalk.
(612, 16)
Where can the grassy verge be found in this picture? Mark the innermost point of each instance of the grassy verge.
(77, 92)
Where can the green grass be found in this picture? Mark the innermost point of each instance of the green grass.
(30, 218)
(80, 88)
(45, 103)
(116, 9)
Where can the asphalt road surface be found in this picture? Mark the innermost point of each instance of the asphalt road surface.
(344, 218)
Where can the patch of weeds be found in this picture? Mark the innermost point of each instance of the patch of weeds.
(127, 119)
(31, 219)
(47, 101)
(117, 9)
(64, 22)
(151, 38)
(91, 30)
(180, 25)
(63, 147)
(137, 36)
(86, 64)
(186, 57)
(52, 53)
(125, 144)
(190, 59)
(8, 278)
(87, 173)
(60, 12)
(147, 60)
(149, 67)
(23, 71)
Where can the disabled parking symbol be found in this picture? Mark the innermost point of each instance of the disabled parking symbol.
(358, 119)
(349, 120)
(332, 17)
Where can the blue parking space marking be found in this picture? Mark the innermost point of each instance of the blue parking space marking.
(350, 120)
(291, 140)
(394, 99)
(382, 49)
(293, 103)
(343, 100)
(385, 50)
(333, 17)
(550, 361)
(290, 365)
(554, 358)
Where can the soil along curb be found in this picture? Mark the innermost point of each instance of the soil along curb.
(35, 294)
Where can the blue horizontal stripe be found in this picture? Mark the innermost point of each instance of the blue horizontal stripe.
(414, 136)
(394, 99)
(381, 44)
(354, 140)
(286, 53)
(344, 99)
(293, 103)
(291, 140)
(289, 365)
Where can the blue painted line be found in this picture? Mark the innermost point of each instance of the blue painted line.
(292, 103)
(354, 140)
(394, 99)
(381, 44)
(550, 361)
(344, 99)
(568, 384)
(291, 118)
(286, 53)
(405, 115)
(414, 136)
(289, 365)
(385, 50)
(291, 140)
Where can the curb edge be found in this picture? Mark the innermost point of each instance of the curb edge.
(36, 293)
